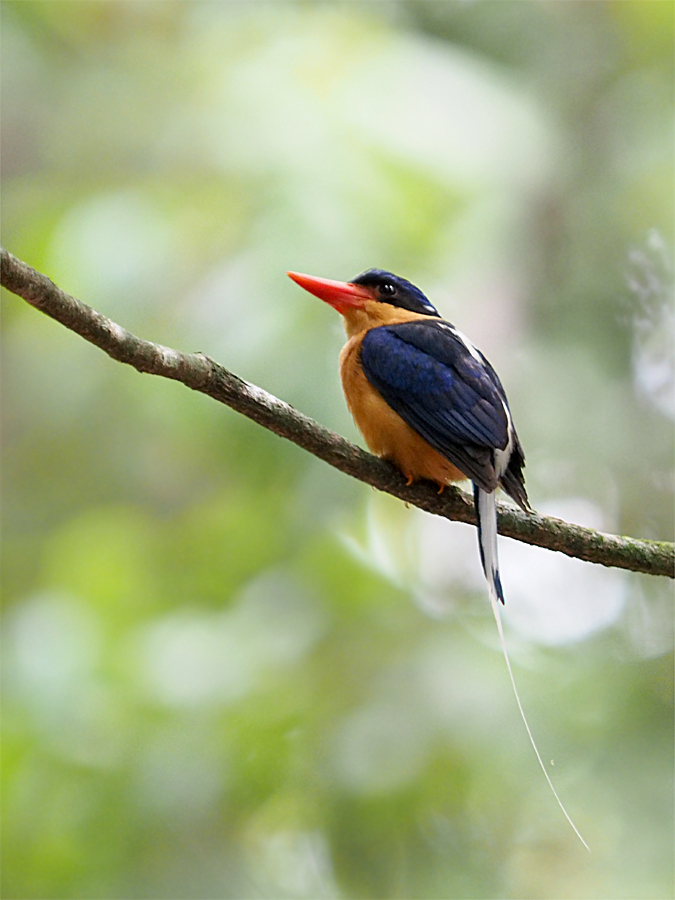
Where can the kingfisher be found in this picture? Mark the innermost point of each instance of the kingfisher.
(424, 397)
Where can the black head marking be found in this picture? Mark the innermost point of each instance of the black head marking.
(396, 291)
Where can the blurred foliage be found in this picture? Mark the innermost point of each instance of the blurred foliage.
(228, 670)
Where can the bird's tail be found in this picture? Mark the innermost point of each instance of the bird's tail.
(486, 516)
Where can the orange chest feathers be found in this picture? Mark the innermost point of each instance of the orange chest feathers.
(384, 431)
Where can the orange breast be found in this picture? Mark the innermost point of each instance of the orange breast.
(384, 431)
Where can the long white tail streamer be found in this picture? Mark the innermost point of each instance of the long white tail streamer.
(486, 511)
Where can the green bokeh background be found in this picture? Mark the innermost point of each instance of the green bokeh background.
(230, 671)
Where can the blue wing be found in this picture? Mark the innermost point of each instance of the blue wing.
(450, 396)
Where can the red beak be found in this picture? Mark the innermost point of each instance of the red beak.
(341, 295)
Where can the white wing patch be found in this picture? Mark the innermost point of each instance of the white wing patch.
(469, 346)
(502, 457)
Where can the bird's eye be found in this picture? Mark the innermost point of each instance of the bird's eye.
(387, 289)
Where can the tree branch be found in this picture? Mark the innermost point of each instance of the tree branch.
(200, 373)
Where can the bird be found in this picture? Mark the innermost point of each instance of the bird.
(426, 399)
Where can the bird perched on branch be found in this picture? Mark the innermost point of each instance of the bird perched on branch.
(424, 397)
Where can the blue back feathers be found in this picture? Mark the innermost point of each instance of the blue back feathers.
(426, 374)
